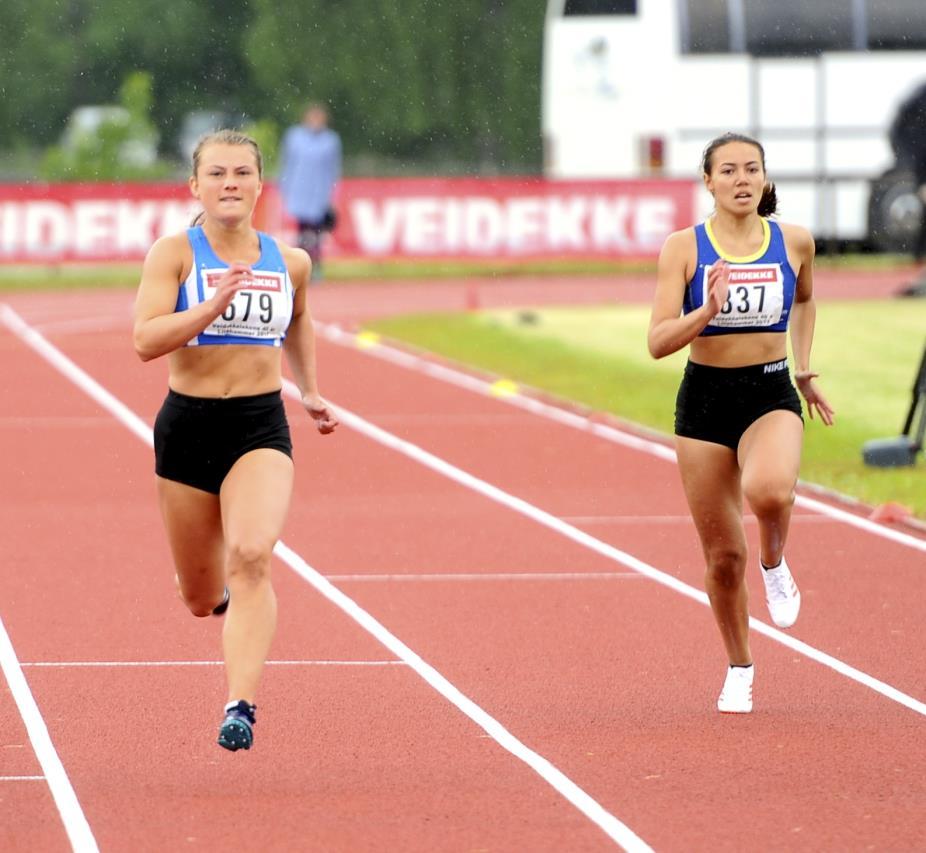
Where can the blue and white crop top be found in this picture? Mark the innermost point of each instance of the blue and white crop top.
(259, 314)
(761, 285)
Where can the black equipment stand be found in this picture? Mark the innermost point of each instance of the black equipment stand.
(895, 452)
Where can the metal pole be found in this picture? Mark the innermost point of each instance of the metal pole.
(919, 392)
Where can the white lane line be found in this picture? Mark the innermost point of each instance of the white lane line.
(546, 519)
(21, 778)
(72, 816)
(48, 664)
(71, 371)
(796, 518)
(468, 577)
(594, 811)
(508, 392)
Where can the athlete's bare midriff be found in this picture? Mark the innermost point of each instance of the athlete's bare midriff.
(739, 350)
(230, 370)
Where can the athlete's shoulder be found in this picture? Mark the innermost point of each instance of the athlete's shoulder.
(679, 256)
(797, 238)
(681, 241)
(296, 260)
(171, 245)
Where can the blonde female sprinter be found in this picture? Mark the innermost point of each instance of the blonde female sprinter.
(222, 301)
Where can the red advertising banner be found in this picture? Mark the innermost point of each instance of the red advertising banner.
(52, 223)
(377, 218)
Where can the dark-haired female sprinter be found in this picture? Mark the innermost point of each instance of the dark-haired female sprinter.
(730, 288)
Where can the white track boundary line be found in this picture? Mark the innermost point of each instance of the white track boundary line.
(546, 519)
(370, 344)
(72, 816)
(474, 577)
(65, 664)
(594, 811)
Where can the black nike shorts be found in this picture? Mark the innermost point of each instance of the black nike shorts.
(197, 440)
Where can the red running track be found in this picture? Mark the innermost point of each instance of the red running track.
(609, 676)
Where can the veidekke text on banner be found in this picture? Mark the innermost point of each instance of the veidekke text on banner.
(507, 218)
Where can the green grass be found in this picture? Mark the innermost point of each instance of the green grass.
(74, 276)
(126, 275)
(866, 353)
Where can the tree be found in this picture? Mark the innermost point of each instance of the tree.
(37, 65)
(424, 81)
(414, 79)
(121, 146)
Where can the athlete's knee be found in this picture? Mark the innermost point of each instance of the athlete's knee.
(726, 565)
(769, 497)
(249, 560)
(199, 609)
(198, 605)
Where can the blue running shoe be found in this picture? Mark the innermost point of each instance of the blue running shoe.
(237, 727)
(222, 606)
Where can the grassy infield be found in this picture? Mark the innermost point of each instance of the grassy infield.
(867, 354)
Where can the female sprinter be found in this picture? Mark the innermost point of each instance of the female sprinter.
(222, 301)
(729, 288)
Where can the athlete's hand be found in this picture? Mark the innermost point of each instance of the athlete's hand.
(321, 413)
(718, 283)
(815, 400)
(235, 278)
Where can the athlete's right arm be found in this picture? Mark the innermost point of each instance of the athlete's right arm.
(159, 328)
(669, 329)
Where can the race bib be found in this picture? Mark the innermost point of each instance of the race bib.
(755, 298)
(261, 310)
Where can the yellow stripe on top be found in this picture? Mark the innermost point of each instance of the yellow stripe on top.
(745, 259)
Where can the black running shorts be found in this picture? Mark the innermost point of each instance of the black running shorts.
(718, 404)
(198, 439)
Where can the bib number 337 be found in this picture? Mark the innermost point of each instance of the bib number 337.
(755, 296)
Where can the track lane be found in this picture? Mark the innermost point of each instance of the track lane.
(131, 718)
(24, 790)
(588, 479)
(832, 766)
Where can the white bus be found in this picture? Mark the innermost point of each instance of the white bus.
(637, 88)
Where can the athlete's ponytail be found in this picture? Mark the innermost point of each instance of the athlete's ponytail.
(768, 204)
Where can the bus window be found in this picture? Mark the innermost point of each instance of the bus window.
(600, 7)
(799, 28)
(782, 28)
(704, 26)
(896, 25)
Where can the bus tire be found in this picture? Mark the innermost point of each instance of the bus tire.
(894, 212)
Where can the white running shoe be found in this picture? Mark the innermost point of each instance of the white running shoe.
(736, 696)
(781, 594)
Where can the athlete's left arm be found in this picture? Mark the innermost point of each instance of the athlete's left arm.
(299, 344)
(801, 251)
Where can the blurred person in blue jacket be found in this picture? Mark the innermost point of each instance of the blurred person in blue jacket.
(309, 172)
